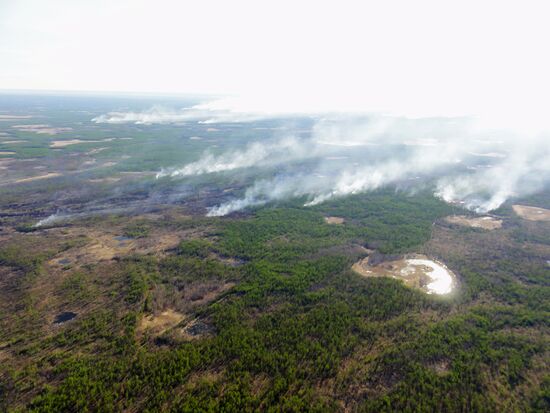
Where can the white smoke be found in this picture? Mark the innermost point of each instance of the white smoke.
(212, 112)
(51, 220)
(256, 154)
(522, 172)
(455, 152)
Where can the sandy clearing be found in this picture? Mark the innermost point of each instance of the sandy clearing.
(103, 246)
(7, 153)
(488, 223)
(159, 323)
(62, 144)
(334, 220)
(12, 142)
(38, 177)
(96, 150)
(416, 271)
(532, 213)
(14, 117)
(42, 129)
(104, 180)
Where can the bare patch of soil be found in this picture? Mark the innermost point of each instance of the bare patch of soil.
(62, 144)
(41, 129)
(38, 177)
(441, 367)
(488, 223)
(416, 271)
(109, 180)
(104, 246)
(532, 213)
(14, 117)
(334, 220)
(159, 323)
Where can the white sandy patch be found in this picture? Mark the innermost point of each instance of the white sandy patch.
(417, 271)
(7, 153)
(442, 281)
(13, 142)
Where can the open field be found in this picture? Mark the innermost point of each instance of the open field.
(488, 223)
(532, 213)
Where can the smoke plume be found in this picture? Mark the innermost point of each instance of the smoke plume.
(477, 167)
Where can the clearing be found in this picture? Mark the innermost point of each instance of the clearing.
(334, 220)
(488, 223)
(416, 271)
(35, 178)
(159, 323)
(532, 213)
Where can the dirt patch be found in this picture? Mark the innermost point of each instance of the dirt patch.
(14, 117)
(41, 129)
(14, 142)
(334, 220)
(441, 367)
(488, 223)
(102, 246)
(416, 271)
(62, 144)
(532, 213)
(7, 153)
(104, 180)
(96, 150)
(159, 323)
(38, 177)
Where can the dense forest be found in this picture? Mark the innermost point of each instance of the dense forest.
(294, 329)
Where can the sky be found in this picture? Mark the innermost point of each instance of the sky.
(419, 58)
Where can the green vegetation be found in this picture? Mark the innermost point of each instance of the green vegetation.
(298, 331)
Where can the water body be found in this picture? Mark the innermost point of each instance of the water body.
(64, 317)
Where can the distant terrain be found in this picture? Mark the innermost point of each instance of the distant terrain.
(142, 268)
